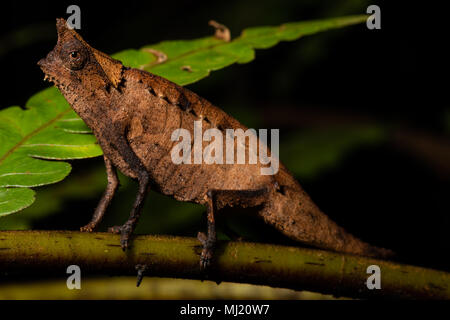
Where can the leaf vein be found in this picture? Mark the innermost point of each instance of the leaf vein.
(34, 132)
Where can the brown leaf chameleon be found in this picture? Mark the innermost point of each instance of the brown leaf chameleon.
(133, 113)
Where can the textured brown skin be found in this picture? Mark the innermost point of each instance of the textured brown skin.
(133, 114)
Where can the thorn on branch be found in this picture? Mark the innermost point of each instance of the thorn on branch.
(141, 268)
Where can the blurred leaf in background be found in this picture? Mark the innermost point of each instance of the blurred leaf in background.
(314, 151)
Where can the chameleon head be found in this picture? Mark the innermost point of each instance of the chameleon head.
(73, 65)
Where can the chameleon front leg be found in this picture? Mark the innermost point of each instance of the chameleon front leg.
(113, 184)
(143, 178)
(128, 227)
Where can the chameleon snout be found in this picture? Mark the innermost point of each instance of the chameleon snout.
(47, 61)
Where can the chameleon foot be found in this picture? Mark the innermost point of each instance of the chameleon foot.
(125, 232)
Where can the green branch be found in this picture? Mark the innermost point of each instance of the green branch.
(176, 257)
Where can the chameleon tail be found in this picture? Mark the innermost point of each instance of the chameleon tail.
(291, 211)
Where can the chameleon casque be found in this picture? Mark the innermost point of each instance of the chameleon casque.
(133, 113)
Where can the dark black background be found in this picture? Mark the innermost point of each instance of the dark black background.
(382, 194)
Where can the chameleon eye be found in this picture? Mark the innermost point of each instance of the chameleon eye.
(76, 59)
(74, 54)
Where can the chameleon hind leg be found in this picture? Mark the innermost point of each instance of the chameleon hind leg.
(208, 240)
(214, 200)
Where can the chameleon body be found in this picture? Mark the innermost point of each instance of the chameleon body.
(133, 114)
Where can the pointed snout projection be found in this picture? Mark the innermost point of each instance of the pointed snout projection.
(61, 26)
(64, 31)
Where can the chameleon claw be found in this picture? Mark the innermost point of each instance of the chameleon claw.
(87, 228)
(205, 260)
(115, 229)
(124, 243)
